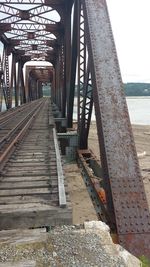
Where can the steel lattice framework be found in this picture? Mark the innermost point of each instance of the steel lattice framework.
(75, 36)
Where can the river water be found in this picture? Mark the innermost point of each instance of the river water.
(139, 110)
(138, 107)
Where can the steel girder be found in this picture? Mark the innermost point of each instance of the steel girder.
(38, 30)
(126, 199)
(87, 106)
(67, 58)
(79, 61)
(74, 49)
(5, 68)
(82, 61)
(13, 83)
(1, 84)
(60, 91)
(34, 79)
(31, 33)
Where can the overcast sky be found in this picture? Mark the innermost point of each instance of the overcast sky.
(131, 27)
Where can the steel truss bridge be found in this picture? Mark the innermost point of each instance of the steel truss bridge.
(75, 36)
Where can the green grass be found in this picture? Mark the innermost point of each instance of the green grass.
(145, 261)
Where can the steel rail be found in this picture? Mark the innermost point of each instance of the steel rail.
(11, 112)
(11, 146)
(10, 134)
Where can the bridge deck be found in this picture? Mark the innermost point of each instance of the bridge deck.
(29, 186)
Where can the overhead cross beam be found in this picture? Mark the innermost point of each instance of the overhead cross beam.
(34, 30)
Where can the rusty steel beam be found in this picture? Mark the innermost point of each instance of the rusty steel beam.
(125, 192)
(92, 175)
(40, 38)
(59, 78)
(74, 47)
(38, 2)
(62, 74)
(86, 109)
(22, 95)
(53, 87)
(13, 82)
(67, 54)
(35, 76)
(54, 84)
(37, 28)
(6, 83)
(1, 85)
(57, 72)
(82, 61)
(18, 83)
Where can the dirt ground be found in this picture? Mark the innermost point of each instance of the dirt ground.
(82, 205)
(83, 209)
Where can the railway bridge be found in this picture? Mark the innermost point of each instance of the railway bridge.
(69, 45)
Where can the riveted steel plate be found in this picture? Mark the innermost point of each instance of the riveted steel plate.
(137, 244)
(131, 209)
(123, 179)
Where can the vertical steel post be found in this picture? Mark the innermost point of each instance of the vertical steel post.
(82, 61)
(86, 109)
(73, 66)
(67, 53)
(13, 83)
(126, 199)
(62, 73)
(53, 85)
(23, 96)
(1, 85)
(18, 82)
(57, 79)
(6, 86)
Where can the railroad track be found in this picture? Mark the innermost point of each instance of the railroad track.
(15, 113)
(13, 127)
(31, 192)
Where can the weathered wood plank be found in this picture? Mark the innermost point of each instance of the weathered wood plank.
(9, 175)
(25, 178)
(23, 236)
(26, 173)
(27, 160)
(43, 198)
(27, 184)
(25, 207)
(29, 164)
(29, 191)
(43, 216)
(28, 178)
(28, 168)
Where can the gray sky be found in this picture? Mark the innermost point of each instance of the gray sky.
(130, 21)
(131, 27)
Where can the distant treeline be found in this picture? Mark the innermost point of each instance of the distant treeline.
(131, 89)
(137, 89)
(134, 89)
